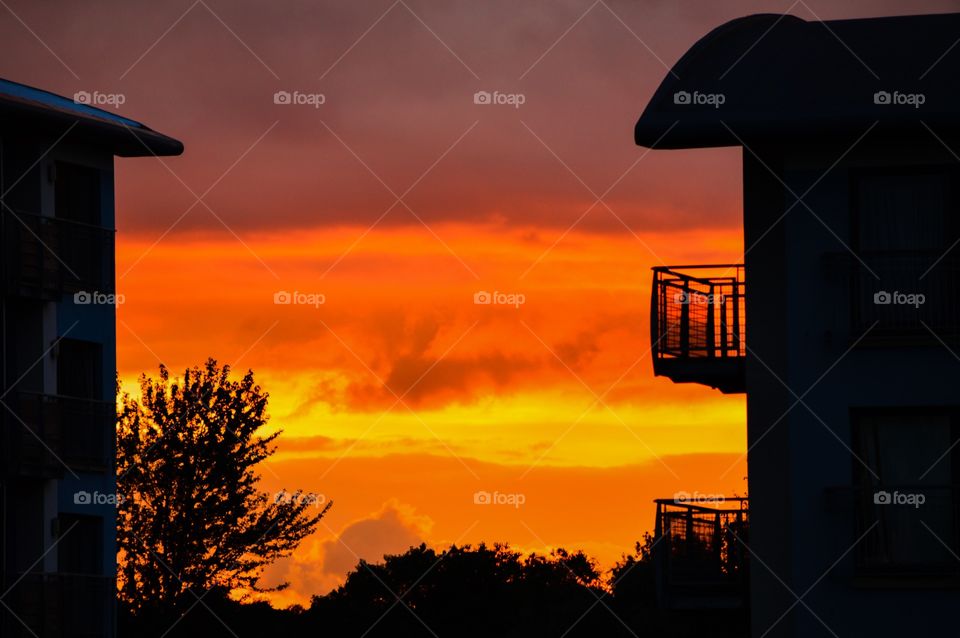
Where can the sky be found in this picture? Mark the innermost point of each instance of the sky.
(382, 198)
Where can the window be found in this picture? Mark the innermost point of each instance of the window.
(80, 369)
(77, 193)
(86, 420)
(907, 472)
(79, 550)
(905, 223)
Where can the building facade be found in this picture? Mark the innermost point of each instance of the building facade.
(846, 340)
(58, 344)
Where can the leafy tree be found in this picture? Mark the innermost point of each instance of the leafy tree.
(468, 591)
(633, 579)
(191, 518)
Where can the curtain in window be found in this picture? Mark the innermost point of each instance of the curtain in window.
(903, 450)
(905, 227)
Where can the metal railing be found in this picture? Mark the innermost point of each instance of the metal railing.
(46, 256)
(46, 432)
(698, 311)
(700, 553)
(58, 605)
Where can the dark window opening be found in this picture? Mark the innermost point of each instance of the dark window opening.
(81, 541)
(77, 193)
(907, 474)
(80, 369)
(905, 224)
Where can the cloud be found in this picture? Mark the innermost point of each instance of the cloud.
(322, 562)
(392, 530)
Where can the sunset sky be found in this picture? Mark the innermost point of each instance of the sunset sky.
(395, 201)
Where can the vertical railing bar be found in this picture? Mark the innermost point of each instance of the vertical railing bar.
(685, 320)
(710, 341)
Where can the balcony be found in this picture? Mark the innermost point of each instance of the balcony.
(700, 557)
(46, 257)
(697, 325)
(58, 605)
(53, 432)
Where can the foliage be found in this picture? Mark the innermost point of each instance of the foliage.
(191, 518)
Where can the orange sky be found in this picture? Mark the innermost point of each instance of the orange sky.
(398, 199)
(400, 397)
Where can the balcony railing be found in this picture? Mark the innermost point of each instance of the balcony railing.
(57, 605)
(45, 257)
(700, 553)
(45, 433)
(697, 325)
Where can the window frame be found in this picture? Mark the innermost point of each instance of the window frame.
(893, 335)
(865, 486)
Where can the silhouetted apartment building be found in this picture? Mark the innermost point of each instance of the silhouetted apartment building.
(847, 341)
(57, 349)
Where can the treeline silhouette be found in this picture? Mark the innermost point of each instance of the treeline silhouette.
(467, 591)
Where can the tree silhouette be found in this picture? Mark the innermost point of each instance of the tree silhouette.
(191, 518)
(632, 578)
(467, 591)
(470, 591)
